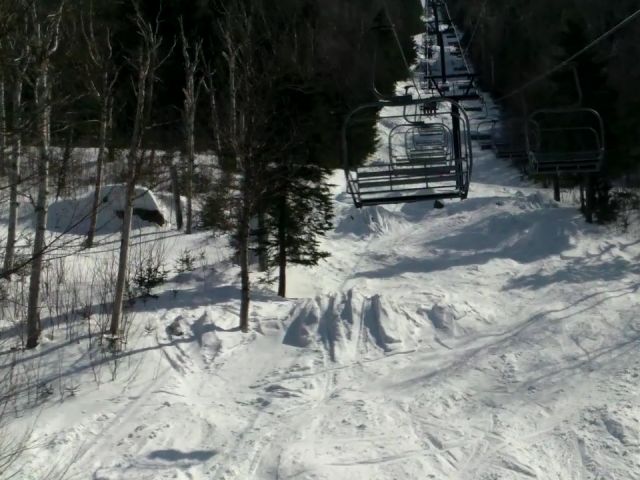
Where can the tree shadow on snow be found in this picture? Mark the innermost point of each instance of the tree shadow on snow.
(524, 238)
(589, 268)
(172, 455)
(466, 356)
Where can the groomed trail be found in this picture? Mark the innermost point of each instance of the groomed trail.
(496, 338)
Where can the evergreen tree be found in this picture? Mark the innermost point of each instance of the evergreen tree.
(299, 214)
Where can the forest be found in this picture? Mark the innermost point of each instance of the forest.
(512, 43)
(319, 239)
(261, 89)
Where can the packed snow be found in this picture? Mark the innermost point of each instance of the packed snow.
(496, 338)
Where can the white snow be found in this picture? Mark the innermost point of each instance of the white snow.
(497, 338)
(73, 215)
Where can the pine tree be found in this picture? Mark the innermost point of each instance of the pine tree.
(300, 213)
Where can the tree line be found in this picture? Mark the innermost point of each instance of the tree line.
(513, 41)
(261, 86)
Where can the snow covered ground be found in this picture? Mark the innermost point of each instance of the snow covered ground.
(497, 338)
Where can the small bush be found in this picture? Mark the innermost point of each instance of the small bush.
(215, 213)
(624, 204)
(147, 278)
(187, 261)
(217, 206)
(147, 269)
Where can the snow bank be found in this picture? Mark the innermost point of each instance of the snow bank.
(73, 215)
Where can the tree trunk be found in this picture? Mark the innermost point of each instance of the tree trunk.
(123, 259)
(3, 130)
(152, 160)
(189, 187)
(209, 85)
(104, 128)
(243, 254)
(556, 188)
(44, 111)
(283, 214)
(262, 241)
(14, 179)
(282, 249)
(175, 188)
(191, 62)
(591, 196)
(189, 119)
(146, 68)
(214, 119)
(63, 173)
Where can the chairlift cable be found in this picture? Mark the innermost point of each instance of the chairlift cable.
(475, 29)
(566, 62)
(464, 58)
(399, 44)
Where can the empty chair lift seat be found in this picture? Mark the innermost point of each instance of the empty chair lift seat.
(402, 180)
(565, 141)
(426, 160)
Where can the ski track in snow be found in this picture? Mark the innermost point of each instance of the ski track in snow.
(494, 339)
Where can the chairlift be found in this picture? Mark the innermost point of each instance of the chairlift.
(484, 132)
(569, 140)
(433, 139)
(426, 160)
(508, 140)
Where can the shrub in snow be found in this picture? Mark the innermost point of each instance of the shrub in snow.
(147, 269)
(625, 205)
(186, 262)
(175, 328)
(215, 214)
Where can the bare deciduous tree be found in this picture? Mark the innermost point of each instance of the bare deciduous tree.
(145, 63)
(19, 52)
(247, 116)
(45, 42)
(3, 127)
(210, 87)
(102, 75)
(191, 55)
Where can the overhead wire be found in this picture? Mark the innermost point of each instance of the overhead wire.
(458, 41)
(476, 27)
(399, 45)
(569, 60)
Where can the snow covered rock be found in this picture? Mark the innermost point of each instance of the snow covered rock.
(145, 205)
(72, 215)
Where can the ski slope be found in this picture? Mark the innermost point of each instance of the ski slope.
(497, 338)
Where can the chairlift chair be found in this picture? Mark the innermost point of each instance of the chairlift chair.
(483, 133)
(433, 139)
(569, 140)
(508, 140)
(433, 164)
